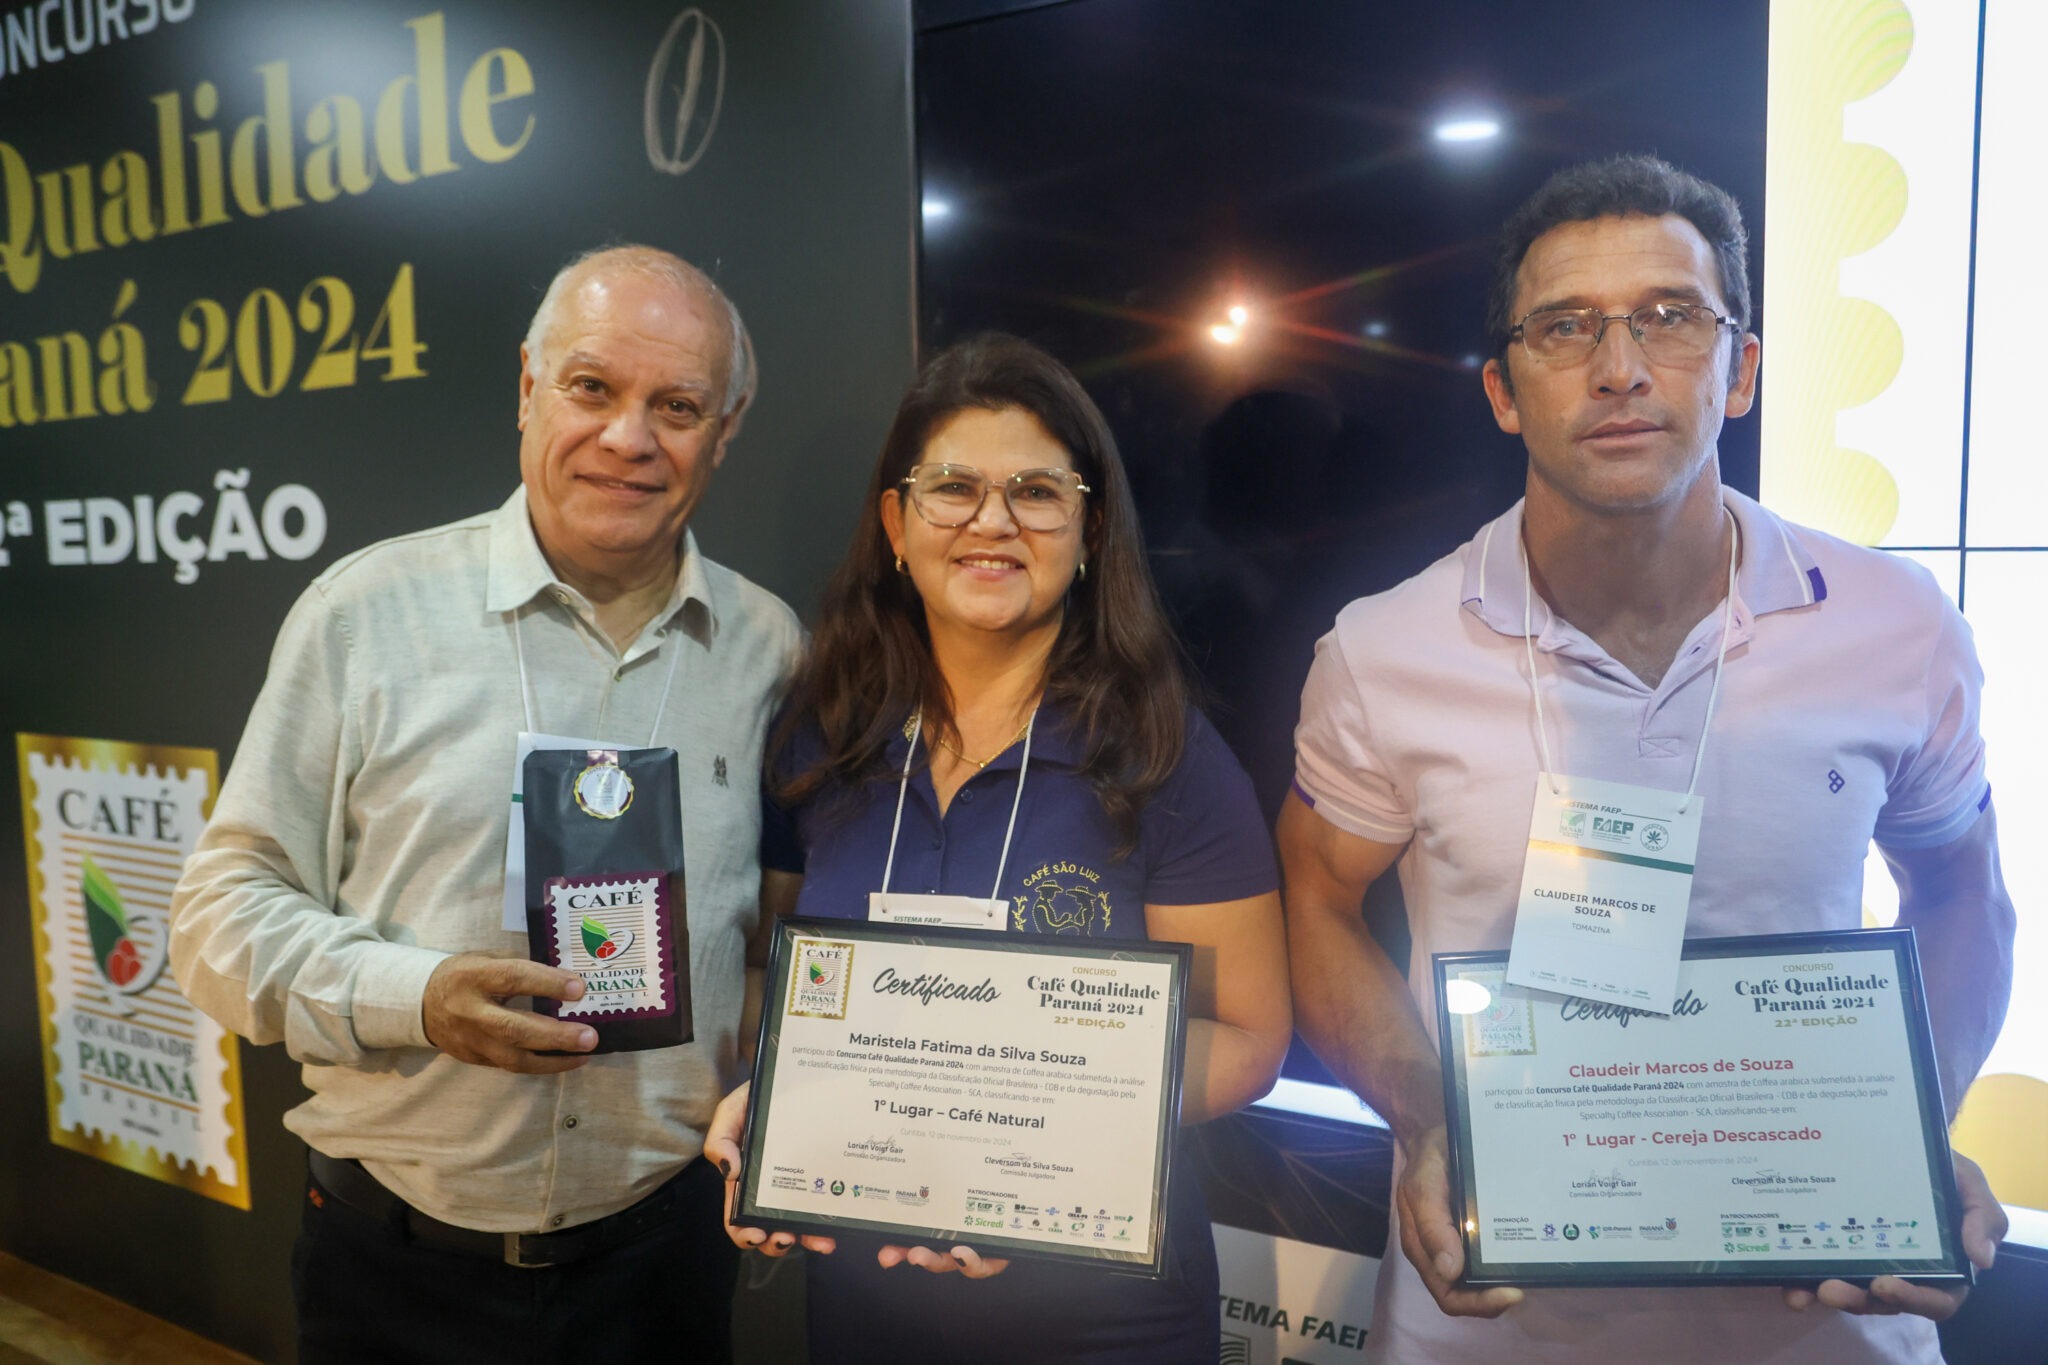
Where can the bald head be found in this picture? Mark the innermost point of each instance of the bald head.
(644, 262)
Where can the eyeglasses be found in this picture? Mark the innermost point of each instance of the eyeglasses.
(1669, 333)
(951, 495)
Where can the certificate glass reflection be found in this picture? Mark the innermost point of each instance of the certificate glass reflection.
(1016, 1093)
(1782, 1125)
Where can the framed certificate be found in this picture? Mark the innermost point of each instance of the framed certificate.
(1782, 1125)
(1017, 1093)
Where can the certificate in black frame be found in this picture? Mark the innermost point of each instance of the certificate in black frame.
(750, 1209)
(1951, 1266)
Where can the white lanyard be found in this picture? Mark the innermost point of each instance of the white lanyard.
(526, 695)
(903, 789)
(1713, 693)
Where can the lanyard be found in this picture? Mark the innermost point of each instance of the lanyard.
(1713, 693)
(526, 694)
(903, 789)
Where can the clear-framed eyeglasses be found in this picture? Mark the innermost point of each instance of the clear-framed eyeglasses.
(951, 495)
(1669, 333)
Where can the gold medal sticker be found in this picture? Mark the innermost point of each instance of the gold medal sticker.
(604, 790)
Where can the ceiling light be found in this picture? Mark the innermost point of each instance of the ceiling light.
(1467, 130)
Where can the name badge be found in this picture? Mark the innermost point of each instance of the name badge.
(946, 912)
(1605, 889)
(514, 909)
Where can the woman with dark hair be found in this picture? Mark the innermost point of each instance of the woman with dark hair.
(993, 693)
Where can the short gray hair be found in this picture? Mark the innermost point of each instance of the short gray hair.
(652, 263)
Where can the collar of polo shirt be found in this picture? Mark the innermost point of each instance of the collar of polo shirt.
(519, 572)
(1776, 573)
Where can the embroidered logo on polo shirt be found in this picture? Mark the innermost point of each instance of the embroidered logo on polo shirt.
(1836, 781)
(1062, 898)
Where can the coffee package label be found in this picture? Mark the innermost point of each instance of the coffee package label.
(614, 932)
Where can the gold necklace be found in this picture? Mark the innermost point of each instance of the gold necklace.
(981, 764)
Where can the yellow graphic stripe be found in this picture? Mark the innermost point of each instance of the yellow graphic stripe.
(1828, 199)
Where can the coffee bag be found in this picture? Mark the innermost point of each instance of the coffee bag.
(604, 890)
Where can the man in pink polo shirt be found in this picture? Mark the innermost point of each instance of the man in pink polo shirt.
(1815, 694)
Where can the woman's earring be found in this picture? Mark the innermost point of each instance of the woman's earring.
(899, 564)
(1081, 574)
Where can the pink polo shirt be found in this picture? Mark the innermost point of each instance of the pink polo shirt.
(1848, 710)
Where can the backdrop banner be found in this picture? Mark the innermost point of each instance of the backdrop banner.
(265, 272)
(1291, 1303)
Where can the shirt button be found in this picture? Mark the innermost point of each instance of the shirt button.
(558, 1220)
(571, 1121)
(938, 843)
(966, 796)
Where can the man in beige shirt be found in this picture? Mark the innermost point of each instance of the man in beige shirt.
(472, 1194)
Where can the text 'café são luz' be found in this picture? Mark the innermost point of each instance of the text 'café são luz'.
(681, 690)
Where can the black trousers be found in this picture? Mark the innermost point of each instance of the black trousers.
(365, 1293)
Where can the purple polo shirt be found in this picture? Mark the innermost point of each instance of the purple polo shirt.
(1201, 838)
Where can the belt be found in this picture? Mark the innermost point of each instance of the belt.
(348, 1182)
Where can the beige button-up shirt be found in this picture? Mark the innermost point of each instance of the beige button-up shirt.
(359, 839)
